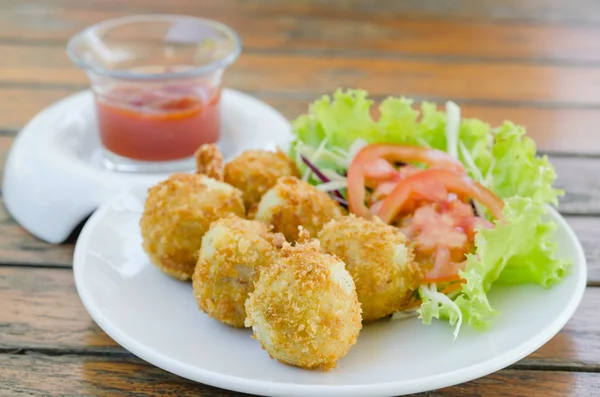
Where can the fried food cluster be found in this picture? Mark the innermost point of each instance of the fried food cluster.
(267, 250)
(304, 310)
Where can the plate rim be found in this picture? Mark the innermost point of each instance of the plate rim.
(267, 388)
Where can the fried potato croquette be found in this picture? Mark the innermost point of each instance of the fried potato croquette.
(233, 253)
(292, 203)
(256, 171)
(177, 213)
(380, 260)
(304, 309)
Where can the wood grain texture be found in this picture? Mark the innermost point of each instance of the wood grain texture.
(536, 63)
(18, 246)
(578, 177)
(586, 229)
(405, 35)
(40, 15)
(497, 83)
(20, 105)
(43, 313)
(89, 375)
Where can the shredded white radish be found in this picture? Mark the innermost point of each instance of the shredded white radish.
(334, 176)
(314, 158)
(331, 186)
(439, 299)
(469, 160)
(452, 128)
(355, 148)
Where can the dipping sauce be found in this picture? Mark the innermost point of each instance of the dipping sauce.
(159, 123)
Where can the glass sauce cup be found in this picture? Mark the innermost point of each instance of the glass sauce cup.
(156, 81)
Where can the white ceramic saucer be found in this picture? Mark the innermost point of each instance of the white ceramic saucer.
(156, 318)
(54, 179)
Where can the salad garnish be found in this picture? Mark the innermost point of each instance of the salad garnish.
(472, 199)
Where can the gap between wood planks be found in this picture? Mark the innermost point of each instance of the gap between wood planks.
(366, 54)
(310, 96)
(512, 12)
(125, 354)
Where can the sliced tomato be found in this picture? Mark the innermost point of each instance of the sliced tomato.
(367, 163)
(394, 153)
(425, 184)
(443, 269)
(375, 207)
(378, 171)
(385, 188)
(431, 228)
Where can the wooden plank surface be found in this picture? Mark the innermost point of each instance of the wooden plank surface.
(19, 105)
(536, 63)
(544, 85)
(519, 25)
(44, 313)
(370, 36)
(113, 376)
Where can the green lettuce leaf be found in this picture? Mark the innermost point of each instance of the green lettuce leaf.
(517, 250)
(517, 171)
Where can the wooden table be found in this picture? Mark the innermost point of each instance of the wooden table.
(534, 62)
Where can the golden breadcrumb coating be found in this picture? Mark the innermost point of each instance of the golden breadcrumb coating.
(304, 309)
(292, 203)
(177, 213)
(233, 253)
(380, 260)
(256, 171)
(209, 161)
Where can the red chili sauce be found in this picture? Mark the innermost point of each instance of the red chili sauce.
(158, 124)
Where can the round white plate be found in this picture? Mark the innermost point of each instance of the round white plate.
(54, 177)
(156, 318)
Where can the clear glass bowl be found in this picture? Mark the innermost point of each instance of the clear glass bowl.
(157, 84)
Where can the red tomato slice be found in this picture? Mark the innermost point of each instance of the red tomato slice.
(443, 270)
(392, 153)
(424, 184)
(409, 154)
(385, 188)
(378, 171)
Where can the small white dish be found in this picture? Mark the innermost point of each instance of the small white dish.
(54, 177)
(156, 318)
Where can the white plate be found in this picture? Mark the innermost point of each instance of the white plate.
(156, 318)
(54, 177)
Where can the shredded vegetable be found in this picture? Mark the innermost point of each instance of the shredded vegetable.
(436, 304)
(452, 127)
